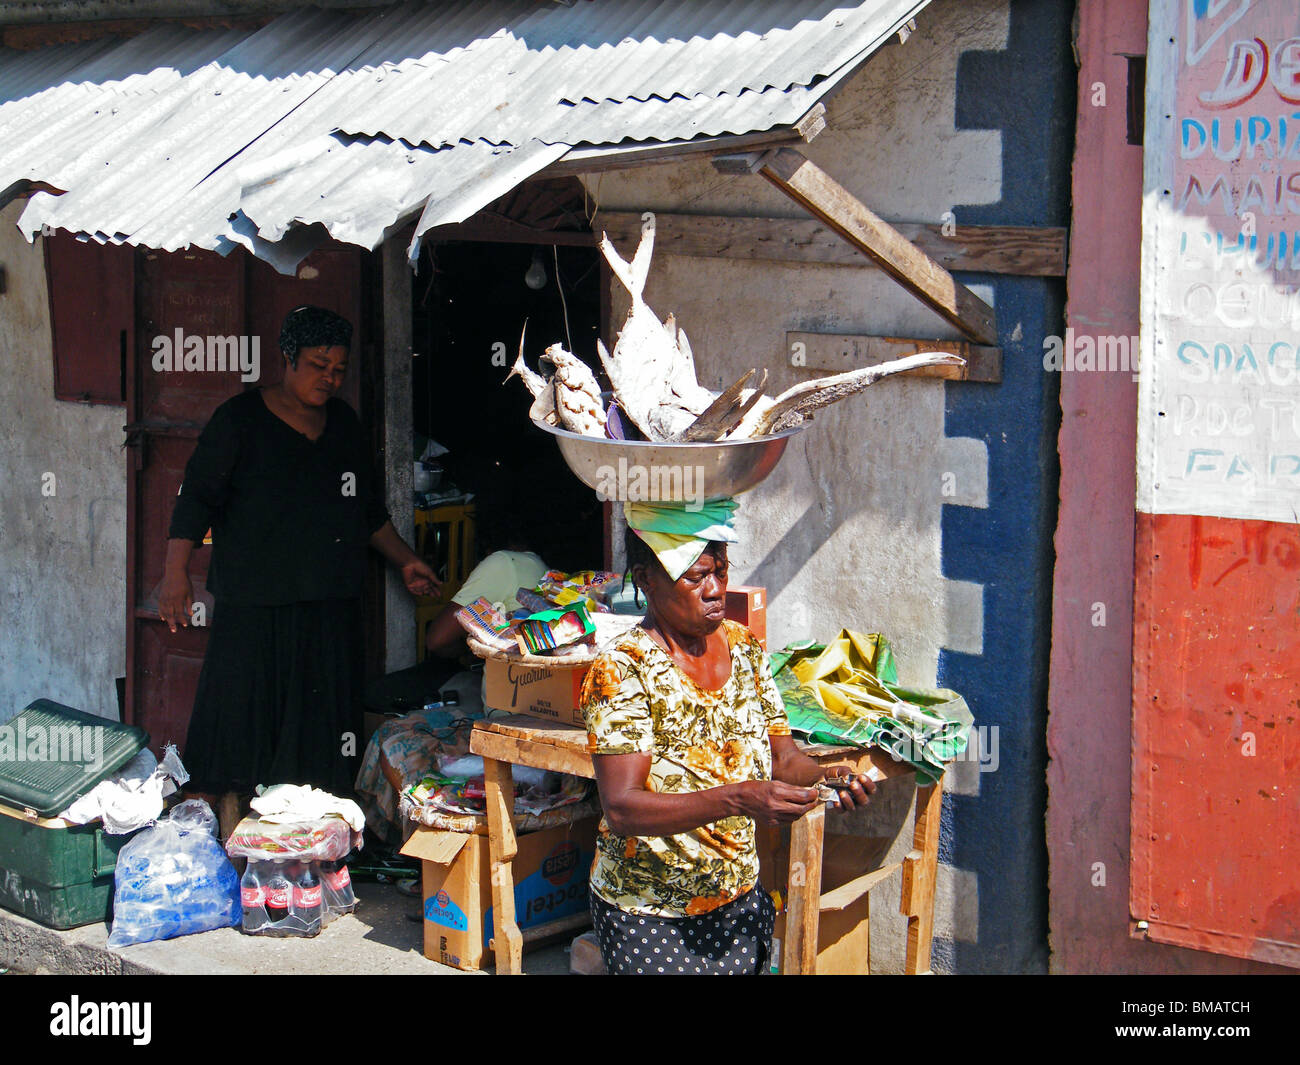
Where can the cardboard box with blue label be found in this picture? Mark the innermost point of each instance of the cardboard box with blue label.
(550, 873)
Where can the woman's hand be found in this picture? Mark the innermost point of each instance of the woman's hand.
(419, 578)
(773, 802)
(175, 597)
(856, 794)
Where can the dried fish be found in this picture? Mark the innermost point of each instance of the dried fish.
(796, 404)
(577, 395)
(651, 368)
(534, 382)
(725, 412)
(543, 408)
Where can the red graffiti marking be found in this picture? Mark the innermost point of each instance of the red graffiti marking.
(1235, 565)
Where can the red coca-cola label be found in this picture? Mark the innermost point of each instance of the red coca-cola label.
(339, 879)
(306, 898)
(277, 897)
(252, 896)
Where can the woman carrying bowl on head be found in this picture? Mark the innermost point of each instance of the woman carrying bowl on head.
(284, 478)
(691, 746)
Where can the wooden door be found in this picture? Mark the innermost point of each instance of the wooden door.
(179, 296)
(200, 294)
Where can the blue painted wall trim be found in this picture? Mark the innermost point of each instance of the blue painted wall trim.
(1028, 93)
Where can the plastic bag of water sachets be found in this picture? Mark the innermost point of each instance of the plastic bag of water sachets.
(174, 879)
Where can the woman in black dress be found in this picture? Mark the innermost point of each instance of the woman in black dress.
(284, 479)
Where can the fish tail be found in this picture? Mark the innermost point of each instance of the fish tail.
(640, 266)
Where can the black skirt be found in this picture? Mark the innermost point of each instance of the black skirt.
(735, 939)
(279, 698)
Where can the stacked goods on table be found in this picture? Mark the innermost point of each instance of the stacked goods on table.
(557, 615)
(537, 658)
(296, 880)
(456, 786)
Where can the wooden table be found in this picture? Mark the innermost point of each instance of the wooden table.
(520, 740)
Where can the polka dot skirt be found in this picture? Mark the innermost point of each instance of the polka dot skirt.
(735, 939)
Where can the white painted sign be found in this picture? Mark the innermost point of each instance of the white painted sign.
(1219, 406)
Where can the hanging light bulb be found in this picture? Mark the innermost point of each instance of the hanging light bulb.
(535, 278)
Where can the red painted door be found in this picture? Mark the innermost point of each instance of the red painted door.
(195, 294)
(1216, 666)
(1216, 836)
(199, 294)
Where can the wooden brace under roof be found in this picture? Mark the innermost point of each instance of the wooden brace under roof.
(832, 204)
(1021, 251)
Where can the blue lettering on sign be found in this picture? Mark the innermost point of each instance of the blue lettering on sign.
(540, 898)
(441, 910)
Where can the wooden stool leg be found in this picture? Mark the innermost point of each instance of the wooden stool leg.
(508, 941)
(919, 873)
(799, 953)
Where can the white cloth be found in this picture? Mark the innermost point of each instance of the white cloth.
(282, 803)
(132, 797)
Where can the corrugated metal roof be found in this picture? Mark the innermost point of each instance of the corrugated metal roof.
(359, 122)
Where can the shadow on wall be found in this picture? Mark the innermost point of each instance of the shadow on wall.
(1027, 93)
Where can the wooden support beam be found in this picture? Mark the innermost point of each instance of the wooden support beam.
(847, 894)
(507, 941)
(803, 913)
(534, 753)
(919, 869)
(587, 160)
(505, 231)
(836, 353)
(816, 191)
(740, 163)
(1025, 251)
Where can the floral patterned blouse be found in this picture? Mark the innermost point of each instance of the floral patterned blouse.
(636, 700)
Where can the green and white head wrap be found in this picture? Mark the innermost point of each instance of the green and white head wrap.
(679, 532)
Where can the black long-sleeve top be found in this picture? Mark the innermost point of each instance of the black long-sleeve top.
(290, 517)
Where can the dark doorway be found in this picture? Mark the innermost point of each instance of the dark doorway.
(471, 302)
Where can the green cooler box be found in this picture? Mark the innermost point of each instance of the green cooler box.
(52, 871)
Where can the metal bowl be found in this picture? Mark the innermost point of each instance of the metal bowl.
(647, 471)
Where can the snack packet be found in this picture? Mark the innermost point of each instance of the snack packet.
(552, 629)
(486, 624)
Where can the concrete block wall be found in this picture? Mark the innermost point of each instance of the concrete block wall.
(62, 541)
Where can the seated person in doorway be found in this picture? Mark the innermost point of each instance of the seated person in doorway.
(513, 565)
(403, 749)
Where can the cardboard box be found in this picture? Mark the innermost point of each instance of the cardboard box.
(538, 691)
(551, 871)
(747, 604)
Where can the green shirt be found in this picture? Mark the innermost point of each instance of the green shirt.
(499, 576)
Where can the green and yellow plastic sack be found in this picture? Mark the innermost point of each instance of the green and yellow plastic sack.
(847, 691)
